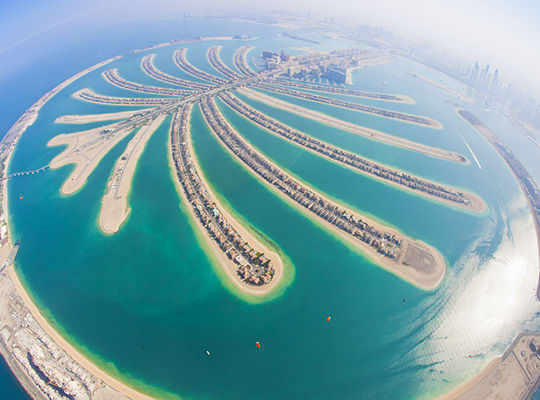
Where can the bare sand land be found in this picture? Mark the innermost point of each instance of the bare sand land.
(89, 118)
(227, 266)
(510, 377)
(114, 208)
(84, 149)
(426, 266)
(371, 134)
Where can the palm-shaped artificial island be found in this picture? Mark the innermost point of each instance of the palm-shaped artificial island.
(244, 255)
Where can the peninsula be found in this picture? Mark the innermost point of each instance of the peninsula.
(407, 181)
(111, 76)
(368, 133)
(147, 65)
(85, 149)
(412, 260)
(247, 262)
(114, 207)
(92, 97)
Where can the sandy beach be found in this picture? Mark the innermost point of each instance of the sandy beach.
(89, 118)
(84, 149)
(477, 204)
(114, 207)
(226, 265)
(408, 274)
(371, 134)
(514, 375)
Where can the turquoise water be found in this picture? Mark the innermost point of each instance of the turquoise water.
(146, 303)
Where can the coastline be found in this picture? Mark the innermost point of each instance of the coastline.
(114, 204)
(67, 347)
(216, 253)
(368, 133)
(513, 375)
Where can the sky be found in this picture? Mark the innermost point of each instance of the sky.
(505, 34)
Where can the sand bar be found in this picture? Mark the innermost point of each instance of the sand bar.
(371, 134)
(227, 266)
(114, 207)
(89, 118)
(84, 149)
(415, 275)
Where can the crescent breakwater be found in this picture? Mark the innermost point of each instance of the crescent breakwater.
(182, 63)
(111, 76)
(417, 185)
(413, 261)
(147, 65)
(525, 180)
(380, 112)
(246, 261)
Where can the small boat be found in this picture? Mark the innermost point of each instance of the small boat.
(207, 353)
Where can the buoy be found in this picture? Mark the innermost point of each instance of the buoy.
(207, 353)
(258, 345)
(328, 319)
(20, 197)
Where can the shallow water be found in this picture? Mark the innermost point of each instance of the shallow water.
(147, 303)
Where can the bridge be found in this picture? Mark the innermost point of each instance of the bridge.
(23, 173)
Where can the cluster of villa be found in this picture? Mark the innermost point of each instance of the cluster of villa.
(111, 76)
(385, 243)
(253, 267)
(147, 65)
(215, 60)
(240, 61)
(186, 66)
(351, 159)
(88, 95)
(381, 112)
(339, 90)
